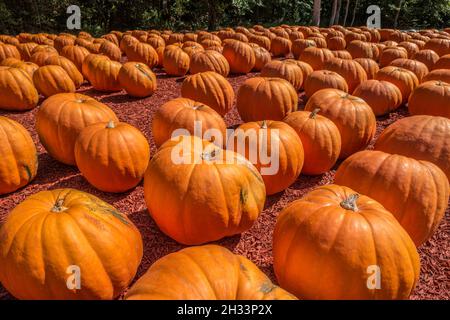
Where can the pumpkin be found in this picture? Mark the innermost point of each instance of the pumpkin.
(182, 212)
(443, 62)
(76, 54)
(390, 54)
(25, 50)
(137, 79)
(360, 49)
(274, 148)
(68, 66)
(61, 118)
(370, 67)
(342, 54)
(432, 98)
(17, 91)
(112, 156)
(142, 52)
(320, 138)
(440, 46)
(350, 70)
(40, 57)
(61, 41)
(8, 51)
(52, 79)
(288, 71)
(322, 79)
(306, 68)
(416, 192)
(438, 75)
(175, 61)
(382, 96)
(299, 45)
(209, 60)
(186, 116)
(53, 233)
(102, 73)
(404, 79)
(19, 156)
(261, 41)
(208, 272)
(334, 243)
(262, 98)
(111, 50)
(280, 46)
(239, 55)
(418, 68)
(316, 57)
(211, 89)
(192, 48)
(156, 41)
(411, 48)
(28, 67)
(262, 57)
(352, 115)
(336, 43)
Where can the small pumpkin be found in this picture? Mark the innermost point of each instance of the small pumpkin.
(323, 79)
(432, 98)
(52, 79)
(382, 96)
(137, 79)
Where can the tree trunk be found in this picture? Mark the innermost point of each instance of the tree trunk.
(354, 12)
(398, 13)
(333, 12)
(338, 12)
(346, 12)
(316, 13)
(212, 15)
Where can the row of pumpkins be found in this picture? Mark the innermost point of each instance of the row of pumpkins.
(384, 204)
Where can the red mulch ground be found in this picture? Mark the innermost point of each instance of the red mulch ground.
(256, 244)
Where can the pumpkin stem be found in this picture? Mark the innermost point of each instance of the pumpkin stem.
(264, 124)
(350, 202)
(314, 113)
(110, 125)
(210, 155)
(58, 207)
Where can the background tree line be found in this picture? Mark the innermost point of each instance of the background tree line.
(101, 16)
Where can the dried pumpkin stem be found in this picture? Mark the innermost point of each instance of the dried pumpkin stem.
(111, 125)
(264, 124)
(58, 207)
(208, 156)
(350, 202)
(314, 113)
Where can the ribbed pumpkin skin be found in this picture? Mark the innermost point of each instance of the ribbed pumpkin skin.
(76, 54)
(25, 50)
(110, 50)
(137, 79)
(316, 57)
(19, 156)
(299, 45)
(280, 47)
(418, 68)
(208, 272)
(239, 55)
(427, 57)
(112, 156)
(262, 57)
(320, 138)
(288, 71)
(353, 117)
(382, 96)
(183, 113)
(324, 79)
(8, 51)
(416, 192)
(288, 149)
(336, 43)
(176, 61)
(262, 98)
(52, 230)
(61, 118)
(209, 60)
(221, 190)
(102, 73)
(430, 136)
(440, 46)
(142, 52)
(390, 54)
(28, 67)
(323, 250)
(17, 91)
(69, 67)
(443, 62)
(432, 98)
(370, 67)
(438, 75)
(351, 71)
(52, 79)
(211, 89)
(404, 79)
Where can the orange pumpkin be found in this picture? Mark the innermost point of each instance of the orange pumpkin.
(288, 71)
(390, 54)
(262, 57)
(68, 66)
(76, 54)
(280, 46)
(334, 237)
(142, 52)
(427, 57)
(209, 60)
(262, 98)
(61, 41)
(175, 61)
(323, 79)
(336, 43)
(369, 65)
(320, 138)
(299, 45)
(404, 79)
(350, 70)
(111, 50)
(418, 68)
(112, 156)
(438, 75)
(8, 51)
(361, 49)
(206, 169)
(306, 68)
(443, 62)
(211, 89)
(316, 57)
(17, 91)
(416, 192)
(440, 46)
(94, 239)
(102, 73)
(52, 79)
(239, 55)
(25, 50)
(382, 96)
(352, 115)
(207, 272)
(61, 118)
(411, 48)
(137, 79)
(432, 98)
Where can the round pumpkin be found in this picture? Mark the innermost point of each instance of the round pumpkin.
(182, 212)
(323, 79)
(316, 57)
(299, 45)
(262, 98)
(102, 73)
(111, 50)
(404, 79)
(142, 52)
(360, 49)
(262, 57)
(61, 118)
(320, 138)
(208, 272)
(306, 68)
(175, 61)
(112, 156)
(370, 66)
(25, 50)
(239, 55)
(350, 70)
(427, 57)
(53, 234)
(440, 46)
(352, 115)
(137, 79)
(17, 91)
(418, 68)
(274, 148)
(336, 43)
(335, 243)
(438, 75)
(390, 54)
(52, 79)
(443, 62)
(209, 60)
(432, 98)
(68, 66)
(288, 71)
(8, 51)
(211, 89)
(76, 54)
(382, 96)
(280, 46)
(416, 192)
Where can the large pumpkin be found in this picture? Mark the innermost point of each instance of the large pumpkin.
(61, 118)
(137, 79)
(288, 71)
(19, 156)
(382, 96)
(191, 183)
(8, 51)
(189, 116)
(350, 70)
(54, 236)
(209, 60)
(262, 98)
(274, 148)
(280, 46)
(404, 79)
(370, 66)
(112, 156)
(335, 243)
(418, 68)
(432, 98)
(207, 272)
(17, 91)
(76, 54)
(352, 115)
(389, 54)
(320, 138)
(438, 75)
(416, 192)
(102, 73)
(52, 79)
(142, 52)
(443, 62)
(239, 55)
(299, 45)
(323, 79)
(262, 57)
(68, 66)
(316, 57)
(111, 50)
(427, 57)
(175, 61)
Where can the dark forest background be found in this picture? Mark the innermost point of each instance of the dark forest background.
(101, 16)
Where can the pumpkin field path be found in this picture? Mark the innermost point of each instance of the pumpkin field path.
(256, 243)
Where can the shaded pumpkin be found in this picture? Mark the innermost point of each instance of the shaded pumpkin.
(417, 67)
(299, 45)
(382, 96)
(280, 46)
(443, 62)
(68, 66)
(110, 50)
(316, 57)
(8, 51)
(76, 54)
(102, 73)
(209, 60)
(390, 54)
(142, 52)
(404, 79)
(350, 70)
(25, 50)
(323, 79)
(438, 75)
(175, 61)
(239, 55)
(137, 79)
(17, 91)
(52, 79)
(432, 98)
(262, 57)
(369, 65)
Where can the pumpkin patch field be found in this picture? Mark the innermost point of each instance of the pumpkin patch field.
(285, 162)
